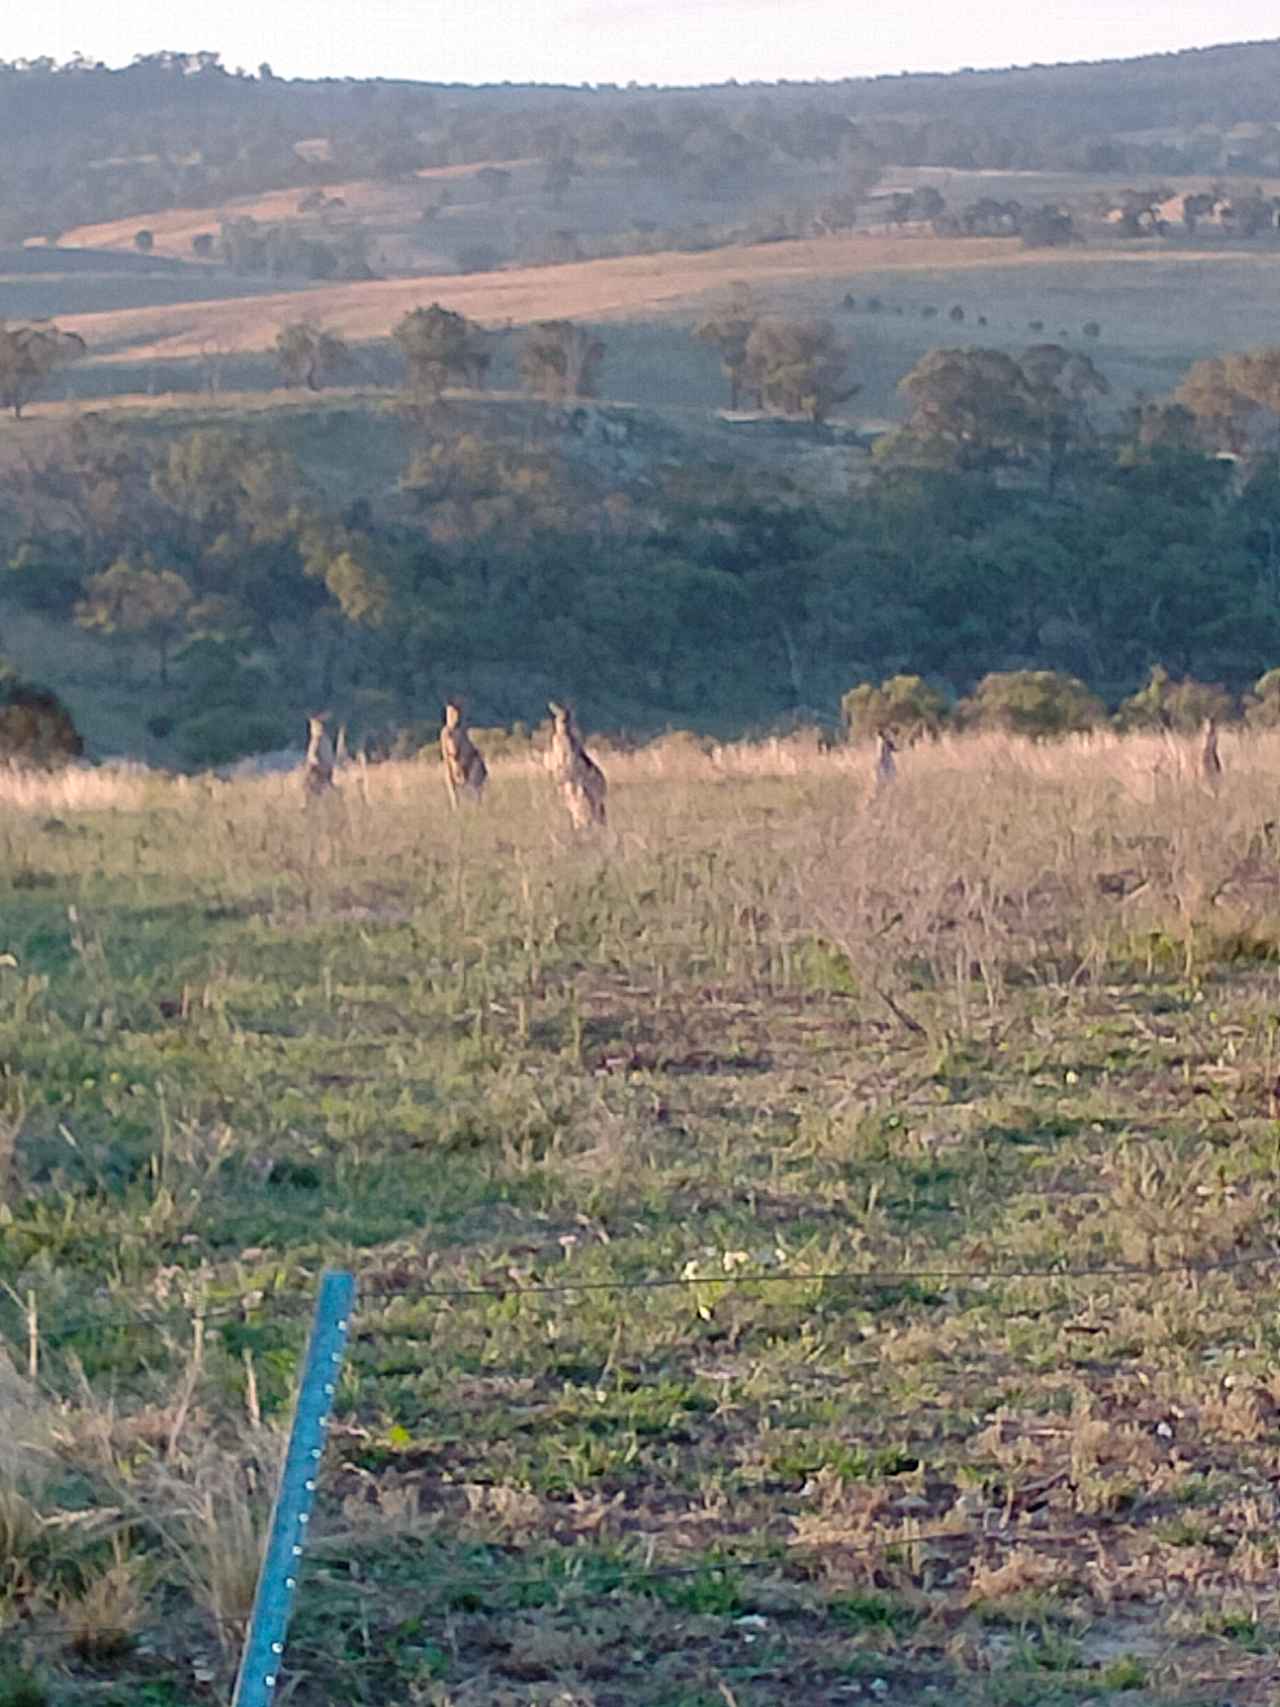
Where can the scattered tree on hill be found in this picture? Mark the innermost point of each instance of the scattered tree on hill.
(440, 348)
(142, 602)
(1250, 214)
(144, 241)
(924, 203)
(35, 727)
(728, 331)
(965, 407)
(1048, 228)
(28, 356)
(970, 407)
(309, 356)
(927, 203)
(560, 360)
(1060, 384)
(1197, 206)
(202, 245)
(1236, 400)
(798, 367)
(988, 217)
(1138, 211)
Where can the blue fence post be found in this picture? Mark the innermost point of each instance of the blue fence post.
(282, 1558)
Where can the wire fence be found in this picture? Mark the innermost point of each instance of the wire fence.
(376, 1286)
(592, 1575)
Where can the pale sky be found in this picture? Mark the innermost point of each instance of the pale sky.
(617, 41)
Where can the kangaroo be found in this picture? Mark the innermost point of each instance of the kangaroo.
(1210, 760)
(886, 764)
(582, 784)
(317, 776)
(465, 771)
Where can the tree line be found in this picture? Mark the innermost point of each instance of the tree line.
(1015, 521)
(85, 142)
(1003, 531)
(785, 365)
(1042, 704)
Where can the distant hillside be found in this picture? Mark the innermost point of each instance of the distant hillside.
(86, 144)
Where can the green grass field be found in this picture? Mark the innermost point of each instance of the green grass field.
(812, 1247)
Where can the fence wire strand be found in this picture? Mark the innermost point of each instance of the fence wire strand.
(373, 1288)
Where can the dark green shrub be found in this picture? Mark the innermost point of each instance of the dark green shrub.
(905, 706)
(223, 734)
(35, 727)
(1262, 706)
(1039, 703)
(1166, 704)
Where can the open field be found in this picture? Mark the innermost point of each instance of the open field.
(812, 1247)
(604, 198)
(597, 290)
(1150, 304)
(174, 228)
(47, 296)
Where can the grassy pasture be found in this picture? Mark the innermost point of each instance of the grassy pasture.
(1158, 313)
(1153, 307)
(388, 209)
(618, 287)
(1015, 1018)
(150, 333)
(45, 296)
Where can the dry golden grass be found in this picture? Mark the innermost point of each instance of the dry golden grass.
(1141, 765)
(173, 228)
(617, 288)
(77, 788)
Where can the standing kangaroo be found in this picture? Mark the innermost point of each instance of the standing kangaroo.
(886, 764)
(1210, 759)
(465, 771)
(317, 774)
(582, 784)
